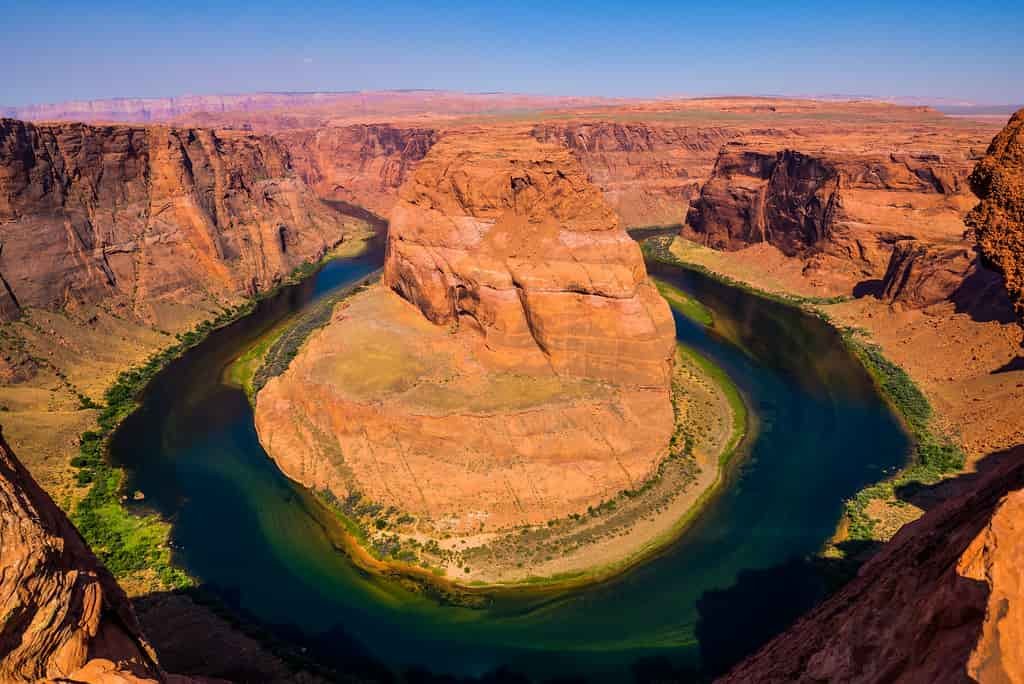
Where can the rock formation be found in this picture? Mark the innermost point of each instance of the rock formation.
(360, 164)
(999, 219)
(921, 275)
(521, 375)
(648, 173)
(841, 210)
(942, 602)
(511, 239)
(148, 218)
(64, 618)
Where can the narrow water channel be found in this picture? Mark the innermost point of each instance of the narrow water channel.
(265, 548)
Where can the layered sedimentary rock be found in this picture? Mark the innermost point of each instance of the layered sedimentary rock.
(999, 219)
(509, 238)
(921, 275)
(841, 210)
(648, 173)
(142, 217)
(62, 615)
(360, 164)
(513, 367)
(942, 602)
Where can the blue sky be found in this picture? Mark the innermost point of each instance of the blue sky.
(930, 48)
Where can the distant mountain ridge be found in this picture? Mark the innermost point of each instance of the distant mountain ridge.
(158, 109)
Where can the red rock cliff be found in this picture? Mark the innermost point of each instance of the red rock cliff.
(999, 219)
(841, 209)
(362, 164)
(647, 173)
(63, 615)
(942, 602)
(136, 216)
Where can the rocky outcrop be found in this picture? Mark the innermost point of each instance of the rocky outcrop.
(512, 240)
(63, 616)
(648, 173)
(942, 602)
(148, 218)
(841, 210)
(361, 164)
(999, 219)
(513, 368)
(922, 275)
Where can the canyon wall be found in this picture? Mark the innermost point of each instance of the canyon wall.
(999, 218)
(843, 211)
(942, 602)
(362, 164)
(63, 615)
(146, 219)
(221, 110)
(648, 173)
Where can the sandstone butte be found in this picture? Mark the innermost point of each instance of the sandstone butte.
(65, 617)
(513, 367)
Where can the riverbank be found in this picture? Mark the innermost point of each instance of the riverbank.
(87, 352)
(875, 513)
(583, 547)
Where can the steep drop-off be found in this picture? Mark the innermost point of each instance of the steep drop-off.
(999, 219)
(147, 219)
(942, 602)
(513, 367)
(63, 615)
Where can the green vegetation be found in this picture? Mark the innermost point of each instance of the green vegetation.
(282, 347)
(684, 303)
(125, 542)
(658, 249)
(935, 454)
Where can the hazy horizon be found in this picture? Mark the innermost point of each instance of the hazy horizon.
(938, 51)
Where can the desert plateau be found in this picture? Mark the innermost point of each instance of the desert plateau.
(609, 351)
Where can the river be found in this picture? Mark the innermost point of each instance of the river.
(268, 550)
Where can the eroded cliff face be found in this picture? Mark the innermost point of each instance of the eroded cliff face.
(942, 602)
(842, 211)
(648, 173)
(922, 275)
(360, 164)
(63, 615)
(146, 219)
(999, 219)
(513, 367)
(510, 239)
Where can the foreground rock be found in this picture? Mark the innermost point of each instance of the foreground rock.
(999, 219)
(149, 219)
(942, 602)
(64, 616)
(513, 368)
